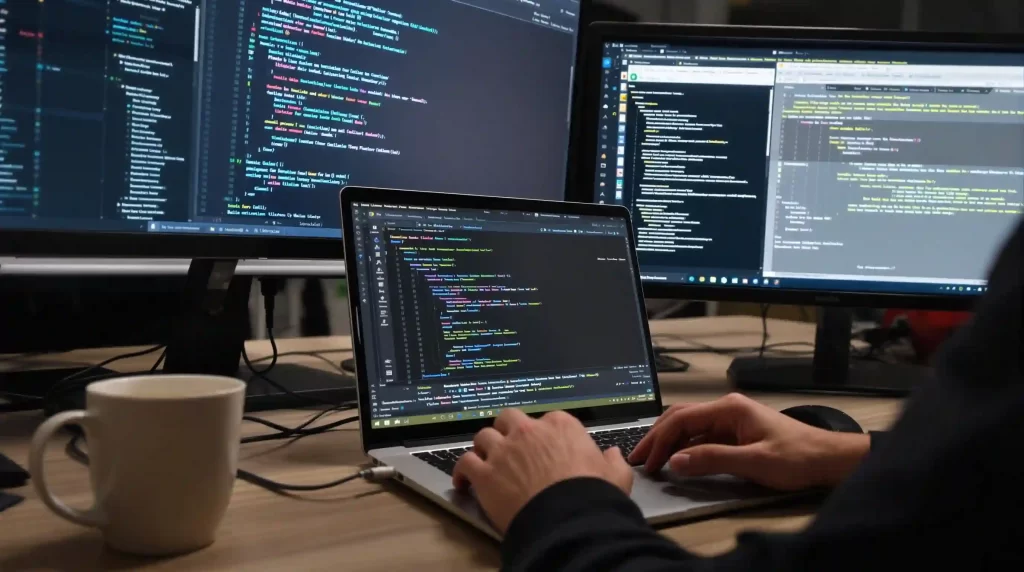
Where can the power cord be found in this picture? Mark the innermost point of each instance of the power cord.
(269, 287)
(76, 381)
(112, 360)
(300, 431)
(765, 347)
(764, 329)
(373, 474)
(159, 362)
(340, 368)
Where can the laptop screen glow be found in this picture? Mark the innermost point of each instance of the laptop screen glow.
(467, 312)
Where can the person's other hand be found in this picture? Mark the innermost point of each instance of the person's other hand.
(738, 436)
(520, 457)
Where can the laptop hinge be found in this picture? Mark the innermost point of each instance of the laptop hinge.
(414, 443)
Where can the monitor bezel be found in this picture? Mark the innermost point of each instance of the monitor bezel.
(55, 243)
(382, 438)
(582, 171)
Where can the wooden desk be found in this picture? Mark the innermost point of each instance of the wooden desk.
(364, 526)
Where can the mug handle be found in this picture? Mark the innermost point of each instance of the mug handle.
(91, 517)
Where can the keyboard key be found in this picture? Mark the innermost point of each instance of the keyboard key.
(625, 439)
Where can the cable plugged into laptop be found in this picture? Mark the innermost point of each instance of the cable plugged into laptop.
(372, 475)
(378, 474)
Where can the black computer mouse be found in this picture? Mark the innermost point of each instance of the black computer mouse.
(822, 417)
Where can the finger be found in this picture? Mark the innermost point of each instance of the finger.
(672, 409)
(684, 425)
(468, 470)
(486, 442)
(713, 459)
(642, 448)
(510, 420)
(623, 473)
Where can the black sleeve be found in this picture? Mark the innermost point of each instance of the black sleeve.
(589, 525)
(583, 525)
(943, 492)
(877, 438)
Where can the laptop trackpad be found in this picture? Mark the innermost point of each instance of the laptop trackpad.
(668, 494)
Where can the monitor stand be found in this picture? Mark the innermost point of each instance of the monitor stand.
(830, 370)
(206, 339)
(212, 331)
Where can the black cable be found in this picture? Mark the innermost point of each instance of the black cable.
(317, 355)
(103, 364)
(269, 287)
(18, 396)
(278, 386)
(75, 380)
(159, 362)
(764, 329)
(76, 454)
(300, 431)
(273, 356)
(706, 349)
(275, 486)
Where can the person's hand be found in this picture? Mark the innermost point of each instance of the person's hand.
(520, 457)
(738, 436)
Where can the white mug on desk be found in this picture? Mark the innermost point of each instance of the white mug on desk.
(163, 452)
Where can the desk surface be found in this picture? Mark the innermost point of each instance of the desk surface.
(362, 526)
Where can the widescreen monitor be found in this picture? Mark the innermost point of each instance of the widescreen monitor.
(226, 128)
(823, 167)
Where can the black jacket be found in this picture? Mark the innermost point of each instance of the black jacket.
(944, 489)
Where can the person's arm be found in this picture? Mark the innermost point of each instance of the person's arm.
(584, 525)
(943, 491)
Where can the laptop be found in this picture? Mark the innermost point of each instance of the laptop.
(463, 306)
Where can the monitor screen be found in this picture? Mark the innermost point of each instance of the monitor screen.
(246, 117)
(460, 320)
(867, 170)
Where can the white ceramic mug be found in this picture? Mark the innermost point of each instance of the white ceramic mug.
(163, 452)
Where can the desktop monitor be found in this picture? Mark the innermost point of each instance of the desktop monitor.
(226, 128)
(137, 132)
(832, 167)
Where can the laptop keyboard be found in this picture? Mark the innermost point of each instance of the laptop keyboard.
(625, 439)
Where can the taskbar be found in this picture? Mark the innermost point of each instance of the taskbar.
(485, 412)
(248, 230)
(754, 281)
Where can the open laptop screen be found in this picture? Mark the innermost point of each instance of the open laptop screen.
(466, 312)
